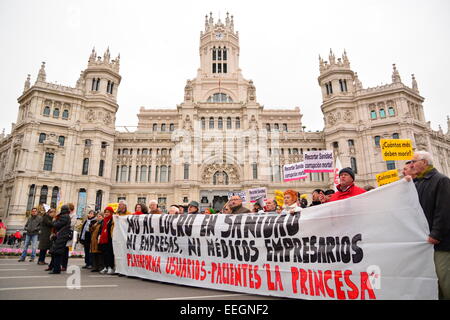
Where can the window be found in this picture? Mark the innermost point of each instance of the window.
(65, 114)
(351, 143)
(171, 127)
(395, 136)
(391, 111)
(42, 137)
(276, 127)
(85, 166)
(238, 123)
(88, 142)
(98, 200)
(56, 113)
(109, 88)
(48, 161)
(155, 127)
(125, 151)
(31, 195)
(104, 144)
(47, 111)
(228, 123)
(157, 174)
(163, 127)
(144, 175)
(373, 114)
(331, 87)
(335, 145)
(382, 113)
(43, 196)
(163, 174)
(390, 164)
(186, 171)
(142, 200)
(101, 167)
(203, 123)
(294, 151)
(377, 141)
(123, 173)
(255, 171)
(54, 200)
(225, 53)
(220, 123)
(61, 140)
(144, 151)
(343, 85)
(213, 68)
(285, 127)
(268, 127)
(219, 97)
(353, 165)
(211, 123)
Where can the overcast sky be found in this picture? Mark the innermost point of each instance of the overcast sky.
(280, 43)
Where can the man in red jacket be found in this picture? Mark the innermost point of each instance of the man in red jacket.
(346, 188)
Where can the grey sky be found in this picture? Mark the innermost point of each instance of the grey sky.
(280, 43)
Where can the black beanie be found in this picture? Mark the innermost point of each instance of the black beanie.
(349, 171)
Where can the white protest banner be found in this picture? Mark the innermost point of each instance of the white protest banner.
(369, 247)
(257, 193)
(294, 171)
(242, 194)
(319, 161)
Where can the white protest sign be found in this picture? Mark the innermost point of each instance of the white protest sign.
(242, 194)
(319, 161)
(294, 171)
(369, 247)
(257, 193)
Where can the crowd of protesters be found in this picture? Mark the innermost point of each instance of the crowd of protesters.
(55, 229)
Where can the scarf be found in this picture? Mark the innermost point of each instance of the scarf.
(425, 172)
(137, 213)
(344, 189)
(104, 236)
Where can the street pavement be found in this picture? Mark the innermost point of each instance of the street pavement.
(28, 281)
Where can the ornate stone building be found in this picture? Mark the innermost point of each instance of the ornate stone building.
(65, 145)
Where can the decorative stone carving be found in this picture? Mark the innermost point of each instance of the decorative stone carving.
(188, 91)
(332, 119)
(107, 119)
(251, 91)
(348, 116)
(90, 116)
(216, 168)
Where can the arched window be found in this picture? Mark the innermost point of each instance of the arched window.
(47, 111)
(294, 151)
(31, 194)
(144, 151)
(373, 114)
(53, 202)
(238, 123)
(395, 136)
(65, 114)
(229, 123)
(382, 113)
(211, 123)
(163, 127)
(157, 174)
(88, 142)
(44, 194)
(123, 173)
(377, 141)
(268, 127)
(351, 143)
(171, 127)
(85, 166)
(163, 174)
(125, 151)
(144, 175)
(391, 111)
(203, 123)
(336, 145)
(276, 127)
(285, 127)
(155, 127)
(219, 97)
(42, 137)
(56, 113)
(220, 123)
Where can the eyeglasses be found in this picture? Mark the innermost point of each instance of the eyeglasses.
(414, 161)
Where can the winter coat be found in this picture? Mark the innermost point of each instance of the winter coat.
(87, 236)
(350, 192)
(240, 209)
(73, 222)
(33, 225)
(63, 234)
(95, 231)
(434, 197)
(46, 230)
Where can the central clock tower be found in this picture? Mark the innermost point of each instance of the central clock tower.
(219, 49)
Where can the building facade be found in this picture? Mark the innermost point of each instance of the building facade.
(65, 146)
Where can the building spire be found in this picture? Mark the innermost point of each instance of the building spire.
(27, 84)
(42, 75)
(358, 84)
(395, 75)
(332, 58)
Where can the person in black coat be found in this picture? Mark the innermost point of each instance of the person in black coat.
(44, 235)
(63, 233)
(85, 238)
(433, 189)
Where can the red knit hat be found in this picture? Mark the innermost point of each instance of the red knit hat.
(110, 209)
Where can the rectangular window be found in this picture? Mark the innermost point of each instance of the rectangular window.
(214, 68)
(48, 162)
(142, 200)
(101, 167)
(255, 171)
(186, 171)
(390, 165)
(224, 68)
(61, 140)
(85, 166)
(219, 68)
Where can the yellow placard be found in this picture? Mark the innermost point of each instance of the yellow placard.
(387, 177)
(279, 197)
(114, 205)
(396, 149)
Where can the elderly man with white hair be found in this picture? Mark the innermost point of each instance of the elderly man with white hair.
(173, 210)
(122, 209)
(153, 207)
(433, 189)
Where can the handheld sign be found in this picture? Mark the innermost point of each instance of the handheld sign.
(294, 171)
(387, 177)
(396, 149)
(257, 193)
(242, 194)
(319, 161)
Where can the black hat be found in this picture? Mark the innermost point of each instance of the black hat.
(65, 209)
(194, 204)
(349, 171)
